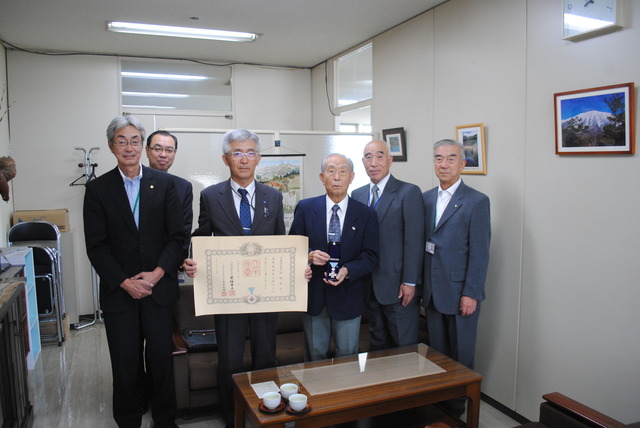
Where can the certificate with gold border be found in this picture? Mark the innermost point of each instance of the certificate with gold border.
(250, 274)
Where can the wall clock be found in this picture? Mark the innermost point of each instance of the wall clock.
(587, 18)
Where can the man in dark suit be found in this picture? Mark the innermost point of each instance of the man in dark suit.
(134, 235)
(393, 306)
(162, 148)
(222, 208)
(458, 233)
(336, 290)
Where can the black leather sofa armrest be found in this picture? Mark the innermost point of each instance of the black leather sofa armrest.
(579, 410)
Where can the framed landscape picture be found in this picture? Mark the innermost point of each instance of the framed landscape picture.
(472, 139)
(595, 121)
(283, 173)
(397, 144)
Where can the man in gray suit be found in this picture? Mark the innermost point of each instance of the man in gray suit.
(236, 207)
(458, 232)
(393, 306)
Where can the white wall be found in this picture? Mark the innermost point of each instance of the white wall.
(562, 289)
(6, 208)
(66, 101)
(579, 318)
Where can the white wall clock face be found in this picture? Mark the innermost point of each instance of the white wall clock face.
(586, 18)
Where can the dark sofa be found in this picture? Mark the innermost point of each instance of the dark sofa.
(560, 411)
(195, 369)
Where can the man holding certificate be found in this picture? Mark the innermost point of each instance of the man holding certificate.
(236, 207)
(343, 251)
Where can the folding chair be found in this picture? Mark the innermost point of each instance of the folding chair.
(44, 238)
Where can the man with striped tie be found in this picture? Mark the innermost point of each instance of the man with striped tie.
(393, 300)
(343, 250)
(235, 207)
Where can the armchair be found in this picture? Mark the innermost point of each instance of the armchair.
(560, 411)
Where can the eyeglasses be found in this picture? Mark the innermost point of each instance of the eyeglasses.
(439, 160)
(159, 149)
(334, 171)
(134, 142)
(240, 155)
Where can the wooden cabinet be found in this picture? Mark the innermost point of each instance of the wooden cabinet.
(15, 407)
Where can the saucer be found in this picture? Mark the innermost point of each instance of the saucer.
(301, 412)
(278, 409)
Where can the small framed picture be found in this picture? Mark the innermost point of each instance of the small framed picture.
(598, 121)
(472, 139)
(397, 144)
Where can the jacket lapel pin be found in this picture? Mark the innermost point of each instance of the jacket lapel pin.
(151, 187)
(353, 227)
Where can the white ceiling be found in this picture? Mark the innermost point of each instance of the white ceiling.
(299, 33)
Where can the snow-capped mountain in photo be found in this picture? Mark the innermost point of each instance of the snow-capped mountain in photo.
(268, 172)
(593, 119)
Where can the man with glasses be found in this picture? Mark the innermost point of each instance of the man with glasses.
(134, 237)
(458, 232)
(162, 147)
(236, 207)
(343, 251)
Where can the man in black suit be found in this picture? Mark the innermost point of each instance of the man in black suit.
(221, 208)
(336, 290)
(162, 148)
(134, 234)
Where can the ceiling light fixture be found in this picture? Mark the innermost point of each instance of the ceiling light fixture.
(162, 76)
(191, 33)
(153, 94)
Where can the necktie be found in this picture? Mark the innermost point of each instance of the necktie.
(245, 211)
(334, 225)
(374, 196)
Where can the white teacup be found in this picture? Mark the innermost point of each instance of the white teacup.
(298, 402)
(286, 389)
(271, 400)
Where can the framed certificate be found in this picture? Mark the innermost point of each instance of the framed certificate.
(250, 274)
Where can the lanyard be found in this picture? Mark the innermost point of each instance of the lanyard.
(135, 204)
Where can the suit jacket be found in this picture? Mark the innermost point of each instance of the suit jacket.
(219, 217)
(461, 259)
(185, 193)
(401, 218)
(119, 250)
(358, 252)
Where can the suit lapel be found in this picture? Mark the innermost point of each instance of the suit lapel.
(320, 223)
(260, 206)
(350, 223)
(454, 204)
(228, 207)
(147, 193)
(386, 198)
(120, 200)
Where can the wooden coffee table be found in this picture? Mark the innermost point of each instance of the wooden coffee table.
(357, 393)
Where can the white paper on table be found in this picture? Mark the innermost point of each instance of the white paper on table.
(262, 388)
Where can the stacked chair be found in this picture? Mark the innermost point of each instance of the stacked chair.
(43, 238)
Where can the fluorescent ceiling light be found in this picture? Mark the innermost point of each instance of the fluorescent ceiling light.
(163, 76)
(147, 107)
(191, 33)
(154, 94)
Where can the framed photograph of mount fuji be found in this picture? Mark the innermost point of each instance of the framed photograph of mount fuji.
(598, 121)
